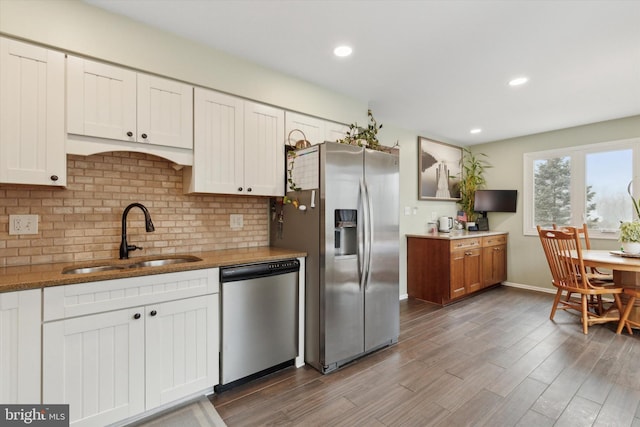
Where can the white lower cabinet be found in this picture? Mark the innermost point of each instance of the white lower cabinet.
(117, 364)
(181, 340)
(20, 320)
(96, 365)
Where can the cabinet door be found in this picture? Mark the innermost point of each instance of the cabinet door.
(466, 272)
(32, 135)
(165, 112)
(335, 131)
(20, 321)
(264, 169)
(313, 128)
(96, 365)
(457, 275)
(182, 348)
(218, 161)
(473, 270)
(101, 100)
(494, 260)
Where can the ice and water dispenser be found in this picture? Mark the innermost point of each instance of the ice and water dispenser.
(346, 234)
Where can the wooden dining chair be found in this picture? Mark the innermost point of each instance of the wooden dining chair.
(594, 273)
(633, 294)
(595, 276)
(563, 251)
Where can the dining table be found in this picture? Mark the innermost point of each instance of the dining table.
(625, 269)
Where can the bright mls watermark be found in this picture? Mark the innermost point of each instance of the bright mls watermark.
(34, 415)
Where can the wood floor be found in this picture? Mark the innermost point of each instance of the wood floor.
(492, 360)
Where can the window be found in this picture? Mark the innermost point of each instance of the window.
(586, 184)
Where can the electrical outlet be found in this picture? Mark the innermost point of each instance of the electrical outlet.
(236, 221)
(407, 210)
(23, 224)
(434, 215)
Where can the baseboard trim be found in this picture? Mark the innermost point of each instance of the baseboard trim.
(530, 288)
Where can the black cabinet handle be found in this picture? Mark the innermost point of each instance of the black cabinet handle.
(136, 316)
(144, 136)
(54, 178)
(239, 188)
(129, 134)
(153, 312)
(249, 190)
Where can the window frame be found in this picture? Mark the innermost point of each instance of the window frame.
(577, 155)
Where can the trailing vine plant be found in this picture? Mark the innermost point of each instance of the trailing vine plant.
(363, 137)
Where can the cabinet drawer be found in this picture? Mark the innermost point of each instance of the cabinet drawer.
(465, 243)
(494, 240)
(93, 297)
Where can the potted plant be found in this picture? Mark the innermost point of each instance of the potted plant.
(363, 137)
(473, 167)
(630, 230)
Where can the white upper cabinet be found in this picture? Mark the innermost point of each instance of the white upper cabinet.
(335, 131)
(264, 173)
(316, 130)
(313, 128)
(238, 147)
(218, 164)
(117, 104)
(31, 115)
(101, 100)
(165, 112)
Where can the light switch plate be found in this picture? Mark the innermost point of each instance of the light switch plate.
(23, 224)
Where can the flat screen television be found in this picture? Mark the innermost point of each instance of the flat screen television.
(495, 201)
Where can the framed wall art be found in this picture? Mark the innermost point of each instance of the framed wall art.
(439, 170)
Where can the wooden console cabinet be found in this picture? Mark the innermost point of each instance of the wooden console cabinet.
(443, 268)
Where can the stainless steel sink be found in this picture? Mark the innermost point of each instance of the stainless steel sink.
(158, 262)
(155, 262)
(94, 269)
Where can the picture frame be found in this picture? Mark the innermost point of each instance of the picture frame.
(439, 170)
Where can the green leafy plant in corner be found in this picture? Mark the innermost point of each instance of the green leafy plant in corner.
(473, 167)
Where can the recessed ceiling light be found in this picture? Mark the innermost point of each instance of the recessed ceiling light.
(342, 51)
(518, 81)
(475, 130)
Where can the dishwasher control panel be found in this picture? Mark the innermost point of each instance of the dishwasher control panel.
(264, 269)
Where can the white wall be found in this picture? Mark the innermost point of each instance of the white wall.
(526, 262)
(76, 27)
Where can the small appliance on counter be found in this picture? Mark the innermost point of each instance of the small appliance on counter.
(445, 224)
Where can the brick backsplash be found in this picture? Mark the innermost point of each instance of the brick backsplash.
(83, 221)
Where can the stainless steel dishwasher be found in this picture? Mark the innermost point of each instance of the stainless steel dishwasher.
(259, 319)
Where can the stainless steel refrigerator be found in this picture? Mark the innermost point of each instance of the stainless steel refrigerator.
(346, 219)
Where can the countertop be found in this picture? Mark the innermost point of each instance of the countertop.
(45, 275)
(457, 234)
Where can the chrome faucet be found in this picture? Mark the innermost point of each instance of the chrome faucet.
(124, 246)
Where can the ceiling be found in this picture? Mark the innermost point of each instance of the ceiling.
(436, 67)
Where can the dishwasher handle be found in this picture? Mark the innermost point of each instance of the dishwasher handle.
(253, 271)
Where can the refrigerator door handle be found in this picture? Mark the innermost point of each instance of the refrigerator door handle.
(361, 230)
(368, 235)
